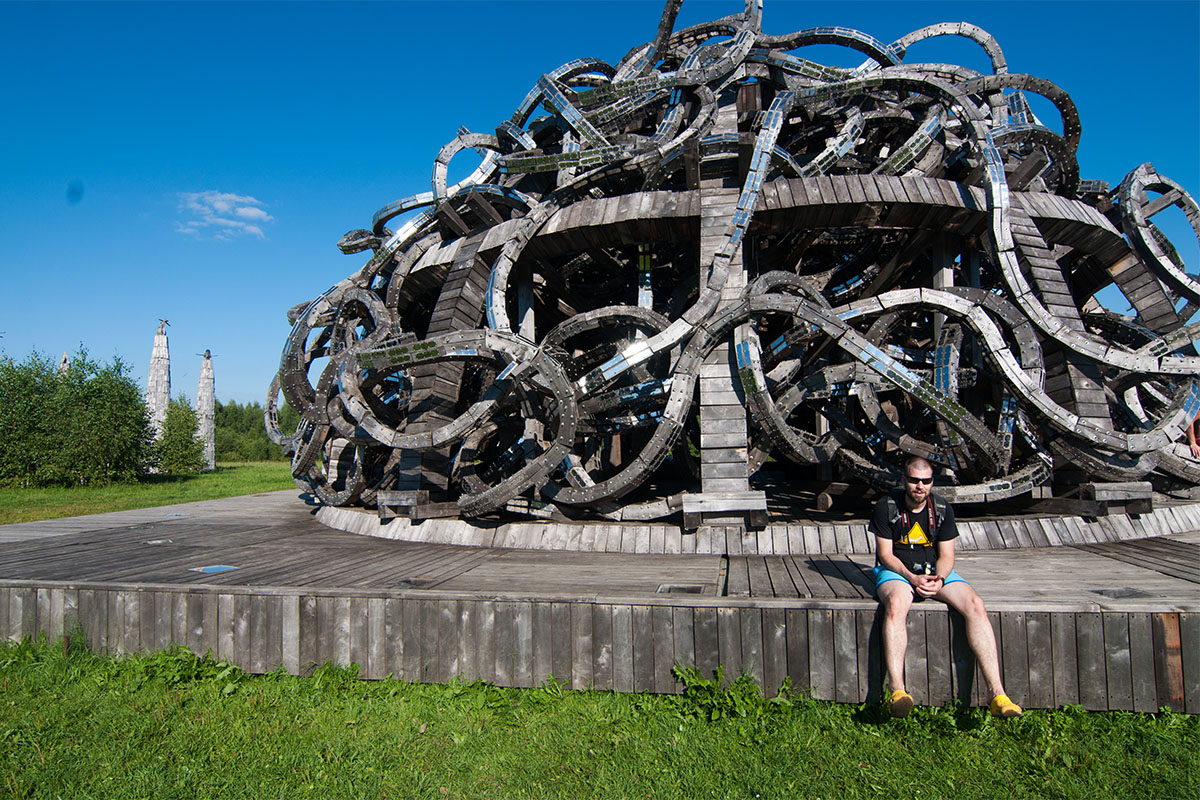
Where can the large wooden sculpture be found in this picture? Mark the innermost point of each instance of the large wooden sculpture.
(666, 272)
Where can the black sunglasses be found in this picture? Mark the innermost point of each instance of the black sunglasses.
(923, 481)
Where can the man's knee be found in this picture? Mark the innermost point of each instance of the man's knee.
(973, 606)
(895, 602)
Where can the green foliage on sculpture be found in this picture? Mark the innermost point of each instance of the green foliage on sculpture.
(85, 424)
(180, 449)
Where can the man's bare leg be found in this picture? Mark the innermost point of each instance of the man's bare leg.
(896, 597)
(966, 601)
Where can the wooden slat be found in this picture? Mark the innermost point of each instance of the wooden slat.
(729, 643)
(774, 633)
(411, 631)
(602, 646)
(751, 624)
(1189, 645)
(663, 621)
(1089, 637)
(845, 655)
(622, 648)
(707, 641)
(449, 631)
(797, 649)
(1039, 647)
(1141, 652)
(1014, 655)
(1066, 658)
(523, 644)
(543, 664)
(916, 659)
(581, 645)
(1118, 669)
(1168, 660)
(504, 637)
(938, 657)
(821, 653)
(963, 661)
(560, 636)
(643, 648)
(307, 653)
(683, 629)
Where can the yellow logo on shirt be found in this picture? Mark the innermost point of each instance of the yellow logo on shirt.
(916, 535)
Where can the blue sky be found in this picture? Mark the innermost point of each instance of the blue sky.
(200, 161)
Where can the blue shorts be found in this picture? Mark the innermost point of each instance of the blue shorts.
(883, 575)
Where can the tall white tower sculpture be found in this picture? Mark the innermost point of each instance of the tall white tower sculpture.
(158, 382)
(205, 402)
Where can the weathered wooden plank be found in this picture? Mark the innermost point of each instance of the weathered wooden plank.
(131, 624)
(208, 635)
(482, 633)
(683, 633)
(523, 644)
(195, 621)
(5, 626)
(759, 578)
(962, 660)
(916, 659)
(751, 625)
(707, 641)
(449, 632)
(821, 653)
(602, 646)
(116, 619)
(581, 645)
(341, 631)
(428, 652)
(1040, 651)
(937, 655)
(504, 643)
(845, 655)
(663, 620)
(410, 629)
(1089, 637)
(543, 663)
(774, 658)
(258, 633)
(643, 648)
(870, 655)
(225, 620)
(796, 620)
(729, 643)
(289, 631)
(622, 648)
(1189, 646)
(1063, 642)
(1014, 655)
(1118, 661)
(1168, 660)
(1141, 666)
(560, 642)
(307, 635)
(738, 580)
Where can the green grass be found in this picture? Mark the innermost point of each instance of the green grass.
(171, 725)
(227, 480)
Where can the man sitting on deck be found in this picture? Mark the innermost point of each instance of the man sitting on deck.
(914, 558)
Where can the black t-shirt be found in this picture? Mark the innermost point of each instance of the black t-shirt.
(914, 535)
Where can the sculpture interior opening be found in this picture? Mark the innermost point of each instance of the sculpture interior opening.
(716, 256)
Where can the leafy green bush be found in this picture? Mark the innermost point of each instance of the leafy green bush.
(241, 436)
(180, 450)
(87, 425)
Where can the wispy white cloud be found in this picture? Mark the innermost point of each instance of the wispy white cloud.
(220, 215)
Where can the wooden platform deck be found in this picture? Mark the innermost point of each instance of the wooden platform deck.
(1111, 624)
